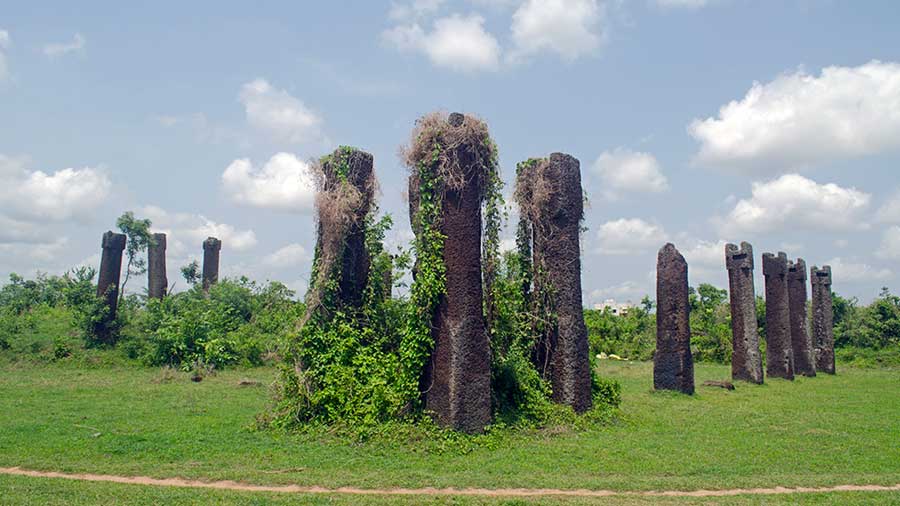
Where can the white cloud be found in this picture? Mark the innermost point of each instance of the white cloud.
(687, 4)
(623, 170)
(570, 28)
(413, 10)
(62, 49)
(279, 113)
(795, 201)
(849, 272)
(285, 183)
(4, 44)
(890, 244)
(58, 196)
(706, 254)
(456, 42)
(288, 256)
(186, 231)
(627, 236)
(798, 120)
(625, 291)
(889, 212)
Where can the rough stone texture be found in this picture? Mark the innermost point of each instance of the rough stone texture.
(354, 262)
(457, 378)
(211, 248)
(801, 341)
(673, 366)
(823, 318)
(779, 355)
(746, 359)
(112, 245)
(157, 282)
(557, 253)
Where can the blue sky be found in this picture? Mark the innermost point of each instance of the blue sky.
(696, 121)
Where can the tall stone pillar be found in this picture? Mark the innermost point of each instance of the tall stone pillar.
(746, 359)
(823, 318)
(157, 282)
(457, 378)
(211, 248)
(801, 341)
(673, 366)
(113, 245)
(779, 354)
(557, 251)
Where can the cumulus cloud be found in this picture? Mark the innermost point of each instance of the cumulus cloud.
(706, 253)
(277, 112)
(57, 196)
(76, 45)
(456, 42)
(889, 212)
(849, 272)
(284, 183)
(623, 170)
(890, 244)
(187, 231)
(793, 200)
(569, 28)
(288, 256)
(629, 235)
(625, 291)
(798, 120)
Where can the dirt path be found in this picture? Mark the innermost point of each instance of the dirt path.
(482, 492)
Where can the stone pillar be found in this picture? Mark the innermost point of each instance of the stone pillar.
(211, 248)
(457, 378)
(348, 171)
(801, 341)
(746, 359)
(157, 282)
(823, 319)
(113, 245)
(557, 229)
(673, 366)
(779, 355)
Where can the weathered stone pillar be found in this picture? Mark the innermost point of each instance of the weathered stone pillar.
(456, 382)
(801, 341)
(557, 229)
(113, 245)
(779, 355)
(746, 359)
(157, 282)
(346, 198)
(673, 365)
(823, 318)
(211, 248)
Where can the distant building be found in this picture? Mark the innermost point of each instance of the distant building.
(616, 308)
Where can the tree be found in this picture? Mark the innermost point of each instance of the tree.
(139, 238)
(191, 273)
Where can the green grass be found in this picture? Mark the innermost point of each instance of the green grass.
(136, 421)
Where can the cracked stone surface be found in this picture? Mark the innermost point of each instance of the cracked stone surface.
(822, 318)
(746, 358)
(779, 354)
(673, 365)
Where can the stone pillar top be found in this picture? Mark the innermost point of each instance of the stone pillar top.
(212, 243)
(797, 269)
(739, 258)
(775, 265)
(160, 240)
(820, 276)
(456, 119)
(113, 240)
(669, 251)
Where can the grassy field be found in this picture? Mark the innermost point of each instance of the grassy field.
(137, 421)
